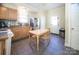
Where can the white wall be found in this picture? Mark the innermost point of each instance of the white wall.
(42, 18)
(22, 14)
(60, 12)
(33, 14)
(67, 25)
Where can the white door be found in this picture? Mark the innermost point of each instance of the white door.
(75, 26)
(54, 26)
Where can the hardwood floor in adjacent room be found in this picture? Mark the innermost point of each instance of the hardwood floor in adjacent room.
(55, 47)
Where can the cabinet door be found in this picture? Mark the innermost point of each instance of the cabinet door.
(15, 14)
(2, 47)
(20, 32)
(12, 14)
(8, 13)
(15, 32)
(3, 13)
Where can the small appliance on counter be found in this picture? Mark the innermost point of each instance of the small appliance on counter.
(3, 25)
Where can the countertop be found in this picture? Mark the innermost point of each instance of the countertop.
(3, 35)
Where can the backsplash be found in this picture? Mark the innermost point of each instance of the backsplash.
(10, 23)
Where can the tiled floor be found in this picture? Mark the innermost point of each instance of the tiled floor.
(55, 47)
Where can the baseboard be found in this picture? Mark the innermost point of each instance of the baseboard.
(54, 33)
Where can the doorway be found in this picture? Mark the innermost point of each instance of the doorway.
(54, 22)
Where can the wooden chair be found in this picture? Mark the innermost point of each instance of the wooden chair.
(32, 40)
(45, 39)
(46, 35)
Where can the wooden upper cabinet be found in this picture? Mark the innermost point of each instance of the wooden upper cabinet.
(3, 13)
(8, 13)
(12, 14)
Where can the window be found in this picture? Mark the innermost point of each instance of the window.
(54, 20)
(22, 14)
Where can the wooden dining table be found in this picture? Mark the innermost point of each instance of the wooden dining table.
(38, 33)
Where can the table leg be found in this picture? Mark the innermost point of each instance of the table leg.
(29, 37)
(37, 43)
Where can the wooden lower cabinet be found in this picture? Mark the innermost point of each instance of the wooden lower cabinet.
(20, 32)
(2, 47)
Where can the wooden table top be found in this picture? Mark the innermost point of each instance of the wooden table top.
(3, 37)
(39, 31)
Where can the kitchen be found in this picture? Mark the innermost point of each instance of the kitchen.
(19, 29)
(9, 25)
(28, 29)
(21, 18)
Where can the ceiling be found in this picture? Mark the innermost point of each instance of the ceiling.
(36, 6)
(45, 6)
